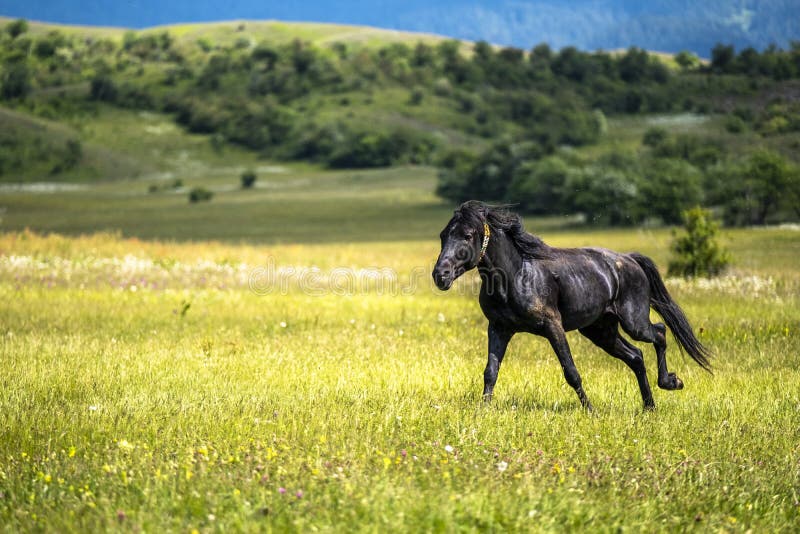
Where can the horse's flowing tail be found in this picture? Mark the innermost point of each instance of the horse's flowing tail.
(672, 314)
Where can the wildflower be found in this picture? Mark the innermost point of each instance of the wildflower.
(281, 490)
(299, 494)
(121, 515)
(448, 448)
(502, 466)
(283, 324)
(212, 517)
(403, 453)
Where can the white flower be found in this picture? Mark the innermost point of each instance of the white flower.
(448, 448)
(502, 466)
(283, 324)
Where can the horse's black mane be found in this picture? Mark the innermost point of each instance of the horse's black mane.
(500, 219)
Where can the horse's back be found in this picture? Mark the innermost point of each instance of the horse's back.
(588, 283)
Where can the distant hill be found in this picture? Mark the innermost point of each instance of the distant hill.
(665, 25)
(227, 32)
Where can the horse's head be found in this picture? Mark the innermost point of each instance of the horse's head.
(464, 241)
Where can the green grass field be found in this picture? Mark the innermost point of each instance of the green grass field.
(146, 387)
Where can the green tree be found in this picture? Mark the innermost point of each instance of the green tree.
(722, 57)
(200, 194)
(17, 28)
(654, 136)
(605, 195)
(669, 187)
(633, 65)
(697, 253)
(248, 179)
(764, 187)
(686, 60)
(767, 179)
(538, 186)
(15, 80)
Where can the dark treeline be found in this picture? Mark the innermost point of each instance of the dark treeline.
(520, 108)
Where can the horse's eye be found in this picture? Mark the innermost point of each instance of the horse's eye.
(468, 237)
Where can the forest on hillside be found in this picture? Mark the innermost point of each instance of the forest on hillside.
(503, 124)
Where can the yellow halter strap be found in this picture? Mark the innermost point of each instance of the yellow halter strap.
(486, 234)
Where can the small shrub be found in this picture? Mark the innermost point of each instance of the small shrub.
(416, 97)
(734, 124)
(697, 253)
(654, 137)
(200, 194)
(248, 179)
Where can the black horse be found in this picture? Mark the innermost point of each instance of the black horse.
(528, 286)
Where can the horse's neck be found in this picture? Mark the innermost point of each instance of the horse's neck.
(502, 259)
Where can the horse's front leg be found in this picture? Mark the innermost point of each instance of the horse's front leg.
(498, 342)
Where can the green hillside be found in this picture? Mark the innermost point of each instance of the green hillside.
(228, 32)
(609, 138)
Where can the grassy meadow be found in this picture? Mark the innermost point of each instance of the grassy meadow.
(161, 385)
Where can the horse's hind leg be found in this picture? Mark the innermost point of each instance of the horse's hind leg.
(605, 334)
(666, 380)
(637, 325)
(554, 333)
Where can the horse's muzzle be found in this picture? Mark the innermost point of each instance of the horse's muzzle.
(443, 277)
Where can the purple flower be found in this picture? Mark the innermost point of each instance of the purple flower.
(299, 494)
(281, 490)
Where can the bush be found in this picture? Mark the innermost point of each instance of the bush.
(416, 97)
(734, 124)
(654, 137)
(15, 80)
(697, 253)
(248, 179)
(103, 88)
(17, 28)
(200, 194)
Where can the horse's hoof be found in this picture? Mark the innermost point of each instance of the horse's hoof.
(671, 383)
(650, 406)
